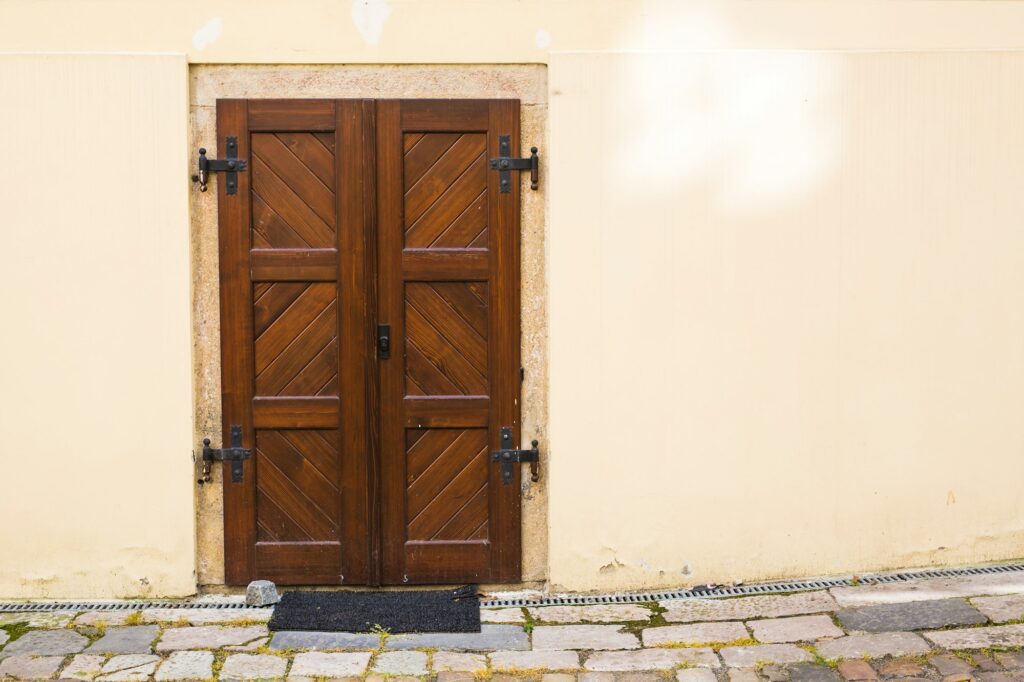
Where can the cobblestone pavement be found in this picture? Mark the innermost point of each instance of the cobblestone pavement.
(943, 630)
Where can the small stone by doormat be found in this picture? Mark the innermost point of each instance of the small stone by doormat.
(394, 612)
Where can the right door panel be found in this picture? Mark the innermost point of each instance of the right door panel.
(448, 288)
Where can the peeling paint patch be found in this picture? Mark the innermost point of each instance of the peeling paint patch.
(542, 39)
(208, 34)
(611, 566)
(369, 17)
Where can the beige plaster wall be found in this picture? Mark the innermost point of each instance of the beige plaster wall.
(786, 326)
(524, 82)
(782, 273)
(497, 31)
(96, 490)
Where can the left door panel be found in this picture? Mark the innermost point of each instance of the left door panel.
(294, 322)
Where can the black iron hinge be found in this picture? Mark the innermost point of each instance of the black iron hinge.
(230, 166)
(236, 454)
(504, 164)
(509, 456)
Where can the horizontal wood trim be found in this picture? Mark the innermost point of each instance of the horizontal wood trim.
(424, 413)
(295, 413)
(456, 115)
(299, 563)
(427, 265)
(294, 265)
(429, 562)
(291, 115)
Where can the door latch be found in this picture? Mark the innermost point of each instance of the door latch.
(504, 164)
(384, 341)
(236, 454)
(230, 166)
(509, 456)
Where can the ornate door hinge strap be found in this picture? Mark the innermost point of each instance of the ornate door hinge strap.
(230, 166)
(504, 164)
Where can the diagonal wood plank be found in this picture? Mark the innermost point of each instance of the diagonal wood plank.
(440, 353)
(299, 178)
(307, 345)
(272, 304)
(465, 303)
(421, 195)
(274, 231)
(445, 465)
(443, 315)
(279, 197)
(454, 496)
(466, 227)
(449, 205)
(466, 520)
(275, 484)
(312, 153)
(424, 153)
(282, 331)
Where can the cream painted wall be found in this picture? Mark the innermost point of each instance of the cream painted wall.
(96, 490)
(786, 331)
(489, 31)
(783, 276)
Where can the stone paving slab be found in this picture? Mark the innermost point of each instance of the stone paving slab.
(746, 608)
(206, 616)
(741, 675)
(401, 663)
(502, 616)
(83, 667)
(794, 629)
(46, 643)
(596, 613)
(208, 637)
(251, 646)
(901, 667)
(811, 672)
(695, 633)
(651, 659)
(697, 675)
(950, 665)
(856, 670)
(976, 638)
(591, 637)
(915, 615)
(131, 639)
(930, 589)
(38, 619)
(873, 646)
(444, 661)
(298, 639)
(186, 665)
(129, 667)
(30, 667)
(109, 618)
(239, 667)
(751, 656)
(4, 637)
(1001, 609)
(490, 638)
(530, 660)
(318, 664)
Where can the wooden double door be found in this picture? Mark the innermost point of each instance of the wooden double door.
(369, 264)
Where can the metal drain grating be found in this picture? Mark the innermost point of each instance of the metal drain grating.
(54, 606)
(576, 600)
(753, 590)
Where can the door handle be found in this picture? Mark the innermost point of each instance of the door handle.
(384, 341)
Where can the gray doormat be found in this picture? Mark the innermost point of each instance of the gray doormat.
(419, 611)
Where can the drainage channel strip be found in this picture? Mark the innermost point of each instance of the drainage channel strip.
(577, 600)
